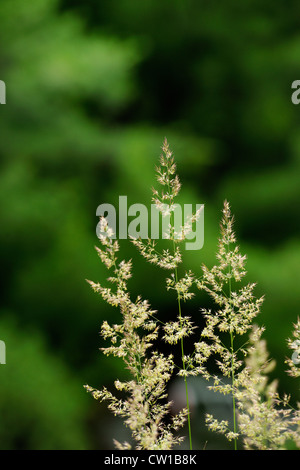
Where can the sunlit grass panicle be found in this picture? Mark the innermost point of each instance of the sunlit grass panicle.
(260, 418)
(236, 309)
(145, 407)
(180, 327)
(266, 422)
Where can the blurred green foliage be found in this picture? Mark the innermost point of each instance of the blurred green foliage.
(41, 404)
(92, 89)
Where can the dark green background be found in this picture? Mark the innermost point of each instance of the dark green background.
(93, 87)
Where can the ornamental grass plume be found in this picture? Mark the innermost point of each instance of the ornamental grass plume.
(176, 330)
(266, 422)
(260, 418)
(236, 309)
(144, 407)
(229, 341)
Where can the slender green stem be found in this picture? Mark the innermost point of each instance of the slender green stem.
(180, 319)
(183, 366)
(232, 370)
(233, 394)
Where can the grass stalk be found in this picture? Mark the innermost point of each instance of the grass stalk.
(183, 366)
